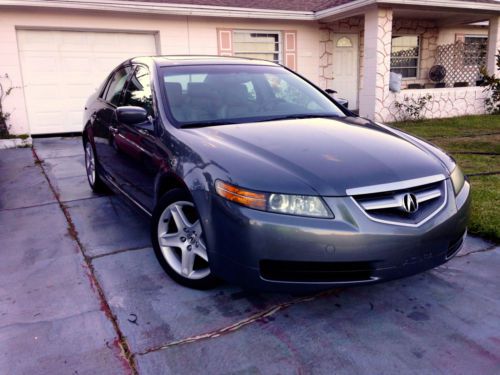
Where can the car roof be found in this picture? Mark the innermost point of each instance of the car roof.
(200, 60)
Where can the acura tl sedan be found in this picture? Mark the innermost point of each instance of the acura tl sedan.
(251, 174)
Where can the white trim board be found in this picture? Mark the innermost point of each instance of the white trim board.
(235, 12)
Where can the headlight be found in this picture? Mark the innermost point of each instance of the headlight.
(457, 179)
(300, 205)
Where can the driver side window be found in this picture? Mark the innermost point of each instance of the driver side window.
(138, 92)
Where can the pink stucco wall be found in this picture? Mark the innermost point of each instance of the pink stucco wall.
(174, 35)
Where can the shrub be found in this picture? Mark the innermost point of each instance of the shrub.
(492, 84)
(411, 109)
(5, 90)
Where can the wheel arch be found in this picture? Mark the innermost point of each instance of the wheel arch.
(86, 133)
(167, 182)
(195, 184)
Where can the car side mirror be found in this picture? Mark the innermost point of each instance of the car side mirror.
(131, 115)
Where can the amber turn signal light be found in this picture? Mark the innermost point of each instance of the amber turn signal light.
(244, 197)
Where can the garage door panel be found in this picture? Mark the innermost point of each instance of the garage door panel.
(75, 105)
(46, 120)
(39, 63)
(77, 64)
(61, 69)
(44, 94)
(43, 42)
(74, 93)
(74, 117)
(143, 43)
(72, 41)
(75, 79)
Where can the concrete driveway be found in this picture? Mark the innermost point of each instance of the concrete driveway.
(81, 293)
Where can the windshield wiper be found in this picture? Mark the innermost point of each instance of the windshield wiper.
(302, 116)
(202, 124)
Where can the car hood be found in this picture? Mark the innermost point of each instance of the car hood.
(315, 156)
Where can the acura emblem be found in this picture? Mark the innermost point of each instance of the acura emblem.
(410, 203)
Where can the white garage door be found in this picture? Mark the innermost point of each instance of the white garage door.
(61, 69)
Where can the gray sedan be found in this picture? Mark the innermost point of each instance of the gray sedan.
(253, 175)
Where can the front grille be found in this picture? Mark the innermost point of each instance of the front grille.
(316, 271)
(388, 207)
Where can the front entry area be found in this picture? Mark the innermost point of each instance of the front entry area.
(346, 67)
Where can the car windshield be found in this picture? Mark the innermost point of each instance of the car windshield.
(205, 95)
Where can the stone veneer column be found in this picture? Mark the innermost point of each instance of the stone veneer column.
(493, 44)
(377, 64)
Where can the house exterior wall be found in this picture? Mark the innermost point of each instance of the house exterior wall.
(198, 35)
(493, 45)
(174, 35)
(448, 35)
(377, 55)
(467, 100)
(428, 33)
(427, 30)
(445, 102)
(352, 25)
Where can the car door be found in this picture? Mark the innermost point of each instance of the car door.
(105, 119)
(138, 162)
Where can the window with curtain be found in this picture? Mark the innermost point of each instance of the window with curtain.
(257, 44)
(405, 51)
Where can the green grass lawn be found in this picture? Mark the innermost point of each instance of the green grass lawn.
(474, 141)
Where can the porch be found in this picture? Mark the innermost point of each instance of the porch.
(358, 52)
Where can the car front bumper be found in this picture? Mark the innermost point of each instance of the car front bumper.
(276, 252)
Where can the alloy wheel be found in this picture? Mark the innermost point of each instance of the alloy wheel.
(90, 163)
(180, 237)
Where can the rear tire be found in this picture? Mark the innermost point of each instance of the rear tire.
(95, 181)
(179, 242)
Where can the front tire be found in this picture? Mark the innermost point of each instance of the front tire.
(179, 243)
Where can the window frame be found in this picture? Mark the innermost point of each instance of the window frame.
(474, 36)
(280, 52)
(418, 57)
(136, 66)
(105, 91)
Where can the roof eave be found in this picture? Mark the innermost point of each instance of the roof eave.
(431, 4)
(234, 12)
(166, 9)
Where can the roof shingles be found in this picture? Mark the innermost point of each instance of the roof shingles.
(290, 5)
(293, 5)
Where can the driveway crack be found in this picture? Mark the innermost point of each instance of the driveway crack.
(242, 323)
(483, 250)
(122, 342)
